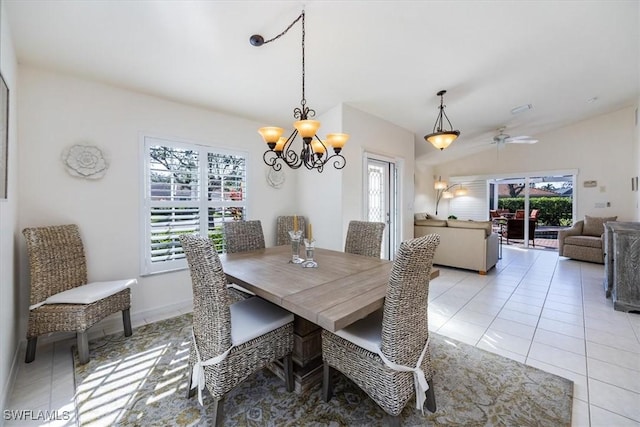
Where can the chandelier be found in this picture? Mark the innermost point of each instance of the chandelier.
(440, 138)
(443, 191)
(314, 153)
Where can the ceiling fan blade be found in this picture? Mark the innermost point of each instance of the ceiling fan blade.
(521, 140)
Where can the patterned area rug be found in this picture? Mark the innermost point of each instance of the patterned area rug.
(141, 381)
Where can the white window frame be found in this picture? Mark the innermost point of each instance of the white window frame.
(147, 266)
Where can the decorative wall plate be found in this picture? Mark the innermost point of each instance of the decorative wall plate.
(85, 161)
(275, 178)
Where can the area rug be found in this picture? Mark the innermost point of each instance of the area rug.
(141, 381)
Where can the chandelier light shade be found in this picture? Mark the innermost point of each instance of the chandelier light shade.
(440, 137)
(314, 153)
(442, 191)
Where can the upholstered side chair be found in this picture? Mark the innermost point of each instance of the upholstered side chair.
(230, 341)
(61, 300)
(364, 238)
(382, 352)
(284, 224)
(242, 236)
(584, 241)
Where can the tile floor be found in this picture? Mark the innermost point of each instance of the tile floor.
(535, 307)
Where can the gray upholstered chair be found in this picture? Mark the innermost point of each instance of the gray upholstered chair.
(61, 300)
(230, 341)
(382, 352)
(584, 241)
(284, 224)
(242, 236)
(364, 238)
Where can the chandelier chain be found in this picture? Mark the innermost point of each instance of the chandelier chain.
(304, 100)
(286, 29)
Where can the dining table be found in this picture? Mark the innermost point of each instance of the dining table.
(342, 289)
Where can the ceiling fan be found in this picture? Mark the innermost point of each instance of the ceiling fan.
(502, 138)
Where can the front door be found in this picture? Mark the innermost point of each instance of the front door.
(380, 200)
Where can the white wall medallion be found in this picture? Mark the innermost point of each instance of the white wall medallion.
(85, 161)
(275, 178)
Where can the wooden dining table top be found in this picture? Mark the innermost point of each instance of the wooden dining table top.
(341, 290)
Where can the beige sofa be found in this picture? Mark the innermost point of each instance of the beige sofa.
(463, 244)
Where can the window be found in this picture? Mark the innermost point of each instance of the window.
(188, 188)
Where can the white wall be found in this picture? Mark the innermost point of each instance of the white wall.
(57, 111)
(374, 135)
(319, 195)
(333, 198)
(8, 221)
(601, 149)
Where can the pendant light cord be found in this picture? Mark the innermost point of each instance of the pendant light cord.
(301, 16)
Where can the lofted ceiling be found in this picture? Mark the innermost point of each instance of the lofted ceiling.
(571, 60)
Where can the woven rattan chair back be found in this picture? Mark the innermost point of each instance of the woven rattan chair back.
(364, 238)
(56, 259)
(404, 323)
(284, 224)
(211, 314)
(242, 236)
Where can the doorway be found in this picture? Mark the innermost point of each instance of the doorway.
(380, 202)
(546, 198)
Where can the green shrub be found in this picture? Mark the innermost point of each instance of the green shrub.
(552, 210)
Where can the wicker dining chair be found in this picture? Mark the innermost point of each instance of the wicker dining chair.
(242, 236)
(364, 238)
(284, 224)
(230, 341)
(61, 300)
(398, 333)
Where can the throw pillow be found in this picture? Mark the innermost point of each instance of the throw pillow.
(420, 215)
(594, 225)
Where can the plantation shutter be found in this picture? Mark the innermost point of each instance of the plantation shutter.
(474, 205)
(188, 189)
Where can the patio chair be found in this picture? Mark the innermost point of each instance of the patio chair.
(515, 230)
(61, 299)
(364, 238)
(230, 342)
(387, 353)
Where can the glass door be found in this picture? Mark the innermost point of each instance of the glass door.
(380, 200)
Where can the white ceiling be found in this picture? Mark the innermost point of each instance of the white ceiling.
(386, 58)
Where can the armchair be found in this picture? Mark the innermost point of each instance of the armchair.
(585, 240)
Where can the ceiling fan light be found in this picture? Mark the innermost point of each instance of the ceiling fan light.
(442, 140)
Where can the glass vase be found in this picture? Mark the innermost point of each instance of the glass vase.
(295, 246)
(308, 252)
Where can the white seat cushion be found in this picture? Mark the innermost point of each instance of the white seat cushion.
(253, 317)
(365, 333)
(91, 292)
